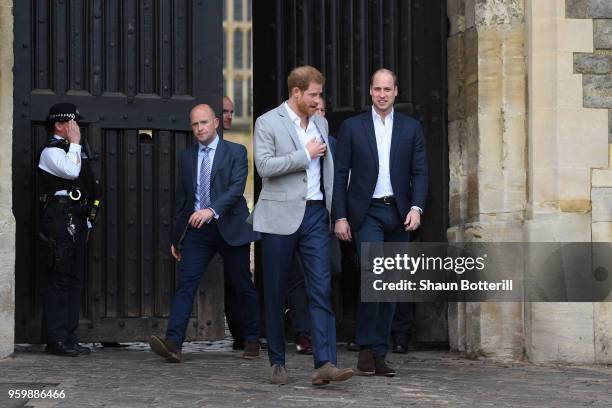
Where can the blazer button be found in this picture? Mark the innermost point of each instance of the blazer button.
(304, 198)
(305, 180)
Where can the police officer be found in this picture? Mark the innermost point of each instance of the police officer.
(68, 187)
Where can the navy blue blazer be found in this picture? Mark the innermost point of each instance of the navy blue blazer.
(356, 151)
(228, 178)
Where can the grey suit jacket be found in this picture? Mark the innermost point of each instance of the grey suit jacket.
(281, 162)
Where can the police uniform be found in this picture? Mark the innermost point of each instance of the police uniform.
(68, 190)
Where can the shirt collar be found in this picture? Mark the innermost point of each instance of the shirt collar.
(294, 116)
(375, 115)
(212, 145)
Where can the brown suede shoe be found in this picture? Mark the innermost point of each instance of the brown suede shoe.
(165, 348)
(251, 350)
(328, 372)
(279, 375)
(381, 367)
(365, 363)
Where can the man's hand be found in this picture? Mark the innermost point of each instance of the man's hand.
(74, 132)
(316, 148)
(343, 230)
(200, 217)
(175, 253)
(413, 220)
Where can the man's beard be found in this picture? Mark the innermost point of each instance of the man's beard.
(303, 108)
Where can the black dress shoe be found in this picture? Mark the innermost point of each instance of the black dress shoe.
(238, 344)
(400, 348)
(81, 349)
(61, 349)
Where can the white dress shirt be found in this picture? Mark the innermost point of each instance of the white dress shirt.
(212, 149)
(383, 131)
(313, 172)
(56, 161)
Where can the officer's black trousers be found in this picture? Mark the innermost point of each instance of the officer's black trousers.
(65, 269)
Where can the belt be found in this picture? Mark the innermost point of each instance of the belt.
(388, 200)
(314, 202)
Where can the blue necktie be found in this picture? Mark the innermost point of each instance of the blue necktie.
(204, 188)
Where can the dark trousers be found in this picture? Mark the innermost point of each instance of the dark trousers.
(381, 224)
(311, 241)
(233, 308)
(297, 300)
(199, 247)
(403, 323)
(65, 269)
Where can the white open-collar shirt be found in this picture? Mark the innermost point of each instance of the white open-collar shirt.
(313, 172)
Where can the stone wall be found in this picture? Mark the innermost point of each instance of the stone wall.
(596, 70)
(7, 221)
(487, 156)
(530, 93)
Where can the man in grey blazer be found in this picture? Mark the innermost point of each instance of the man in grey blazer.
(292, 213)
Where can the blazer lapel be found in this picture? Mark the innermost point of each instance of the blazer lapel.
(368, 123)
(289, 125)
(218, 161)
(193, 165)
(395, 141)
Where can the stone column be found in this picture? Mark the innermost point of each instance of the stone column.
(7, 221)
(487, 156)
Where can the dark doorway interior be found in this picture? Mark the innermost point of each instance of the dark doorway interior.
(134, 69)
(347, 40)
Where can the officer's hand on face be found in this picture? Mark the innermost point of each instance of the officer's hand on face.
(200, 217)
(175, 253)
(74, 132)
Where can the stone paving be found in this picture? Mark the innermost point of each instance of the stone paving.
(213, 375)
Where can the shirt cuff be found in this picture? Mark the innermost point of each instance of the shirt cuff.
(341, 219)
(308, 154)
(74, 148)
(215, 215)
(414, 207)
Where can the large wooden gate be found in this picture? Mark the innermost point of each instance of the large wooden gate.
(134, 68)
(347, 40)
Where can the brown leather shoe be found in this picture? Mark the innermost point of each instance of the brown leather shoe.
(251, 350)
(365, 363)
(279, 375)
(328, 372)
(381, 367)
(165, 348)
